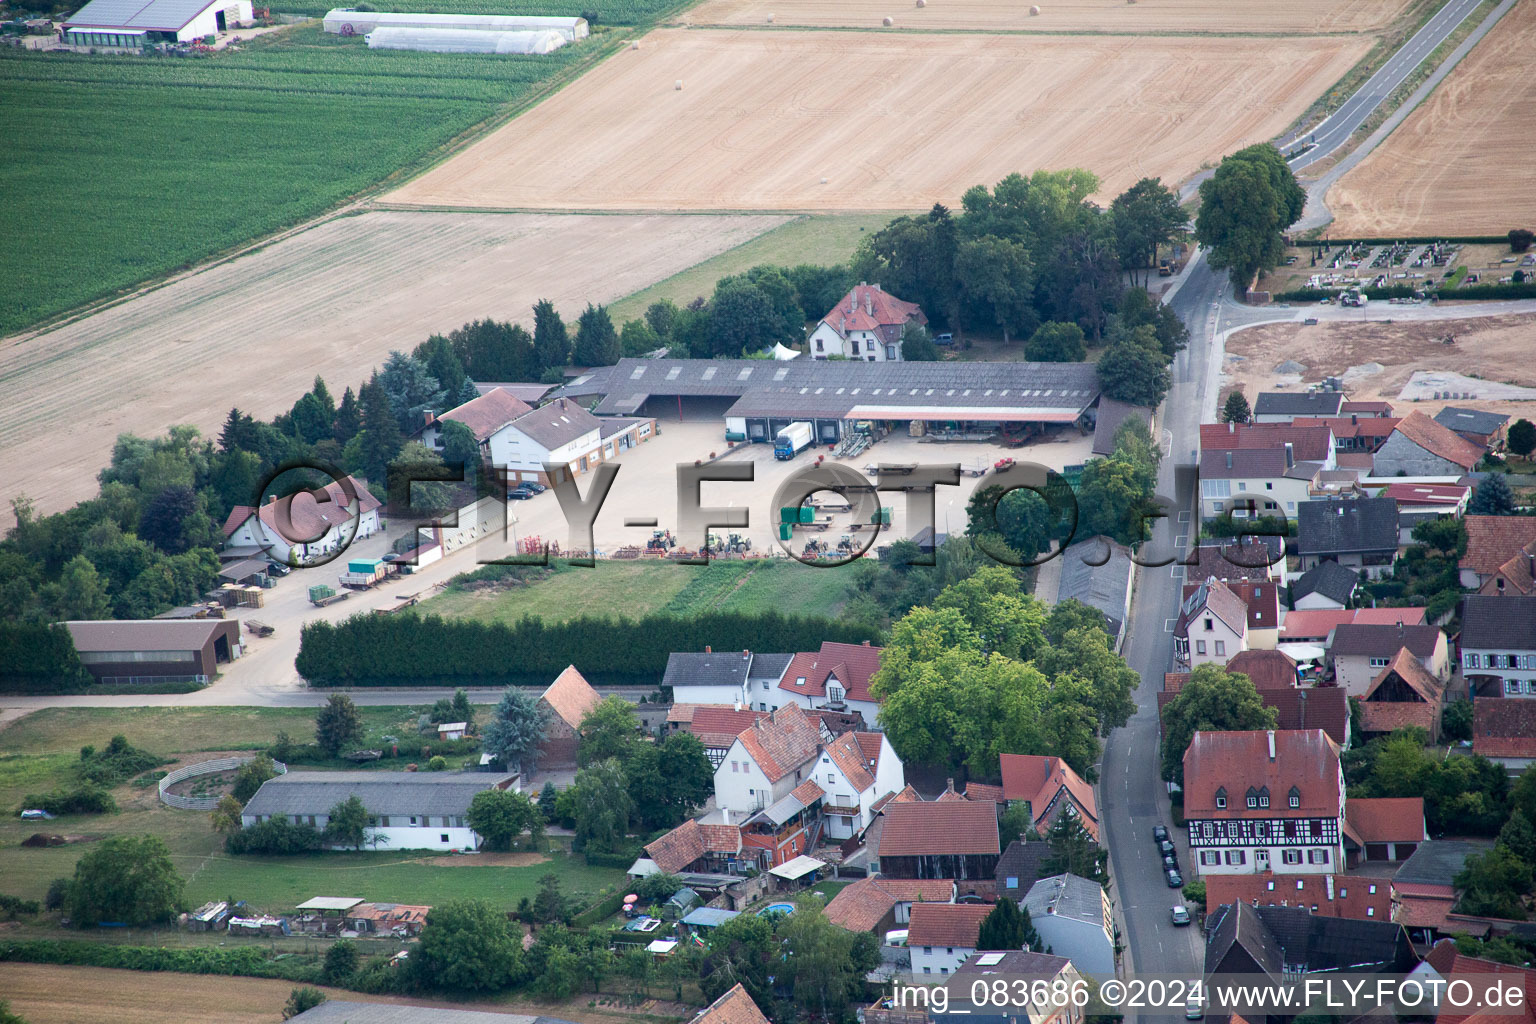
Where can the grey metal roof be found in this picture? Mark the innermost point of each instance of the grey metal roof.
(1329, 579)
(709, 917)
(611, 425)
(1102, 587)
(340, 1011)
(1473, 421)
(1439, 861)
(1507, 623)
(156, 15)
(1069, 896)
(780, 811)
(1348, 525)
(236, 571)
(105, 636)
(1314, 403)
(530, 393)
(833, 387)
(390, 793)
(720, 668)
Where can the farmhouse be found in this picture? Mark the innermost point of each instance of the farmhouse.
(406, 810)
(866, 324)
(144, 650)
(1283, 942)
(1421, 447)
(767, 761)
(566, 702)
(1296, 707)
(567, 436)
(487, 417)
(757, 398)
(134, 24)
(1254, 482)
(304, 526)
(1404, 693)
(716, 726)
(1359, 652)
(1484, 429)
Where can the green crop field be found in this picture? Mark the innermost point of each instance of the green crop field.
(120, 169)
(636, 589)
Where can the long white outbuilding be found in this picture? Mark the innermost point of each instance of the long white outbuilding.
(346, 22)
(460, 40)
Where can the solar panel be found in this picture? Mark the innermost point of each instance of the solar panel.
(989, 959)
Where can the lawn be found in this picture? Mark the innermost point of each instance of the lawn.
(636, 589)
(140, 166)
(817, 238)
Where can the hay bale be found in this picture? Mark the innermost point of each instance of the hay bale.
(824, 180)
(1034, 12)
(770, 19)
(635, 45)
(887, 21)
(922, 3)
(678, 85)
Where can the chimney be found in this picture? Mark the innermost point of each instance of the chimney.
(1271, 734)
(1229, 460)
(866, 642)
(562, 404)
(1354, 419)
(1022, 839)
(1290, 455)
(708, 649)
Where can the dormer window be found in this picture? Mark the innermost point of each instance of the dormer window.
(1294, 797)
(1221, 799)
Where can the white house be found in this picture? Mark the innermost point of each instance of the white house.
(767, 761)
(834, 678)
(1212, 625)
(301, 527)
(561, 433)
(856, 771)
(736, 678)
(109, 25)
(940, 936)
(866, 325)
(406, 810)
(1498, 645)
(1073, 918)
(487, 417)
(1264, 801)
(1268, 478)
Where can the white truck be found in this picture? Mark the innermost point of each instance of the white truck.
(793, 440)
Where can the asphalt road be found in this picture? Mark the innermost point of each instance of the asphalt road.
(1334, 130)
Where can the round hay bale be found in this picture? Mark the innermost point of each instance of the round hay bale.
(824, 180)
(922, 3)
(887, 21)
(770, 19)
(678, 85)
(635, 45)
(1034, 12)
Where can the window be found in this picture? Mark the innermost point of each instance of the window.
(950, 950)
(1343, 894)
(1268, 486)
(765, 684)
(1253, 802)
(734, 767)
(1236, 857)
(1290, 856)
(1218, 506)
(1208, 626)
(1221, 648)
(1263, 799)
(1221, 799)
(1011, 882)
(1209, 857)
(1199, 646)
(1300, 885)
(1372, 890)
(1511, 686)
(1317, 856)
(1370, 911)
(1290, 506)
(927, 970)
(943, 970)
(1270, 885)
(1294, 799)
(1379, 662)
(927, 949)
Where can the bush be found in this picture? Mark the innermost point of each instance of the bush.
(340, 962)
(248, 961)
(12, 907)
(621, 859)
(301, 999)
(437, 764)
(119, 762)
(275, 835)
(607, 906)
(58, 893)
(81, 800)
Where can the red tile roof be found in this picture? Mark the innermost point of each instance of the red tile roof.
(1269, 670)
(1218, 598)
(718, 725)
(1371, 407)
(488, 413)
(1317, 623)
(1426, 494)
(1325, 895)
(307, 516)
(1381, 715)
(946, 924)
(864, 904)
(570, 696)
(931, 828)
(782, 743)
(1449, 963)
(867, 308)
(677, 849)
(850, 664)
(1296, 707)
(908, 795)
(1376, 427)
(1504, 727)
(808, 792)
(1237, 761)
(1045, 782)
(1387, 819)
(1440, 441)
(1310, 441)
(735, 1007)
(980, 791)
(1494, 540)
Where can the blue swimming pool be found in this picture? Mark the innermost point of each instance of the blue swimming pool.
(777, 908)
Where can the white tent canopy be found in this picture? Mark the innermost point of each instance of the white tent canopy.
(781, 353)
(797, 868)
(464, 40)
(342, 21)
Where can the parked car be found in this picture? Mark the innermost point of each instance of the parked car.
(1170, 863)
(944, 339)
(1175, 880)
(1159, 834)
(35, 815)
(1167, 849)
(1180, 916)
(1194, 1008)
(522, 492)
(278, 569)
(534, 486)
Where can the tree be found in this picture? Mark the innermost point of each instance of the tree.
(825, 964)
(668, 780)
(349, 418)
(516, 728)
(78, 593)
(548, 903)
(917, 345)
(660, 315)
(6, 1016)
(1146, 215)
(1056, 342)
(1518, 837)
(501, 816)
(411, 389)
(741, 319)
(341, 962)
(1446, 535)
(1135, 370)
(1003, 928)
(380, 439)
(1493, 884)
(250, 776)
(1244, 206)
(1520, 239)
(125, 879)
(1492, 497)
(996, 277)
(1456, 722)
(1212, 700)
(347, 824)
(636, 338)
(1086, 653)
(225, 817)
(1074, 851)
(1236, 410)
(444, 364)
(337, 724)
(740, 952)
(467, 946)
(610, 729)
(551, 346)
(603, 806)
(459, 446)
(305, 997)
(597, 343)
(1522, 438)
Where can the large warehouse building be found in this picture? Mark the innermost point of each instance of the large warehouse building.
(132, 24)
(758, 398)
(144, 650)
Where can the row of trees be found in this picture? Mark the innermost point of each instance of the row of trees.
(986, 669)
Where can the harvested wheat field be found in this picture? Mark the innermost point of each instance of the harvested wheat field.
(333, 300)
(1142, 16)
(1376, 359)
(1461, 164)
(790, 120)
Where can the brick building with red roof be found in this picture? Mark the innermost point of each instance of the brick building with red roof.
(879, 904)
(957, 840)
(1496, 544)
(1358, 897)
(566, 702)
(1051, 787)
(941, 936)
(1421, 447)
(865, 325)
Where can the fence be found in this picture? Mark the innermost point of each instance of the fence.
(203, 803)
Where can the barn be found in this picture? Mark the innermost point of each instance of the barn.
(134, 24)
(757, 398)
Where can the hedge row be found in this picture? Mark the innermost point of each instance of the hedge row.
(1396, 291)
(603, 908)
(619, 860)
(248, 961)
(1524, 290)
(408, 650)
(40, 658)
(80, 800)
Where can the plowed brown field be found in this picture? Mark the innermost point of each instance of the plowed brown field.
(890, 121)
(332, 300)
(1142, 16)
(1461, 163)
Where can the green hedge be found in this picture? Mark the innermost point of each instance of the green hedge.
(248, 961)
(621, 860)
(80, 800)
(605, 907)
(40, 658)
(1396, 291)
(1524, 290)
(409, 650)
